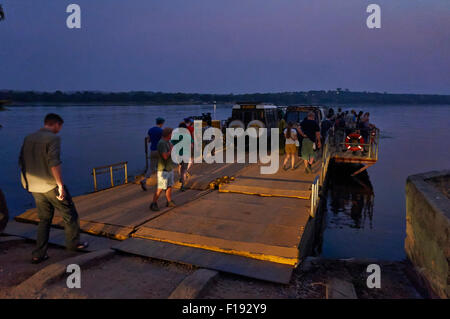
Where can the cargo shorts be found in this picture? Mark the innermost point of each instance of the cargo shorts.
(165, 179)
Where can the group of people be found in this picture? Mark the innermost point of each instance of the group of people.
(304, 139)
(41, 170)
(308, 134)
(41, 175)
(346, 122)
(161, 144)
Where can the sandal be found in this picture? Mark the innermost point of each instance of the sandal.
(83, 245)
(37, 260)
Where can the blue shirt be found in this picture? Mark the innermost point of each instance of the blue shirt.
(155, 134)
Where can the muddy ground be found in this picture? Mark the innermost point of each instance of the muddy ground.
(128, 276)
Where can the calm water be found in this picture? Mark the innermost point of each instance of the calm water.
(414, 139)
(92, 136)
(369, 222)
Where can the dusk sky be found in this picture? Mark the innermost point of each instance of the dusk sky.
(226, 46)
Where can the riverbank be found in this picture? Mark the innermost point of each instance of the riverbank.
(330, 97)
(127, 276)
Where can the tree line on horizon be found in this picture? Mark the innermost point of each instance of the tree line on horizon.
(338, 96)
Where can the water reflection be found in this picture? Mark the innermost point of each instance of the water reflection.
(348, 214)
(350, 198)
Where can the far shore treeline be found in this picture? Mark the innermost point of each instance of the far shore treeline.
(337, 96)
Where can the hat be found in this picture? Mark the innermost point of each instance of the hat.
(188, 120)
(160, 120)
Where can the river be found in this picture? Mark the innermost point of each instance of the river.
(414, 139)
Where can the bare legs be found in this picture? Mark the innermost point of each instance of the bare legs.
(286, 159)
(158, 193)
(308, 165)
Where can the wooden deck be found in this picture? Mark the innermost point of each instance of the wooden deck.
(256, 227)
(291, 183)
(115, 212)
(267, 230)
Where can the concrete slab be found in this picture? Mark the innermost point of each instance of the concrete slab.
(53, 272)
(193, 285)
(8, 239)
(340, 289)
(29, 231)
(248, 267)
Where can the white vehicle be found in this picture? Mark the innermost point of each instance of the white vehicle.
(297, 113)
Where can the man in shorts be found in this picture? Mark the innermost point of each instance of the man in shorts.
(165, 170)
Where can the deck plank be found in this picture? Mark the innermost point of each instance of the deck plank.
(115, 212)
(258, 227)
(294, 184)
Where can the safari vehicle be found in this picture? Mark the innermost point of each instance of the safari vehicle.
(257, 115)
(297, 113)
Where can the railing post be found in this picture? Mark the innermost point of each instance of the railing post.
(95, 179)
(126, 173)
(312, 200)
(112, 179)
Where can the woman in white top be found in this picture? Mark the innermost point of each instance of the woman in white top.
(290, 146)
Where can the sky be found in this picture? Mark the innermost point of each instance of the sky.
(226, 46)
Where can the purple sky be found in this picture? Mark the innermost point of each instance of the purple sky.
(226, 46)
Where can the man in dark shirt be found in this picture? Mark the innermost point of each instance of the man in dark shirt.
(325, 126)
(154, 135)
(41, 175)
(310, 131)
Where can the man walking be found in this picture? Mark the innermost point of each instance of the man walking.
(165, 170)
(310, 131)
(154, 135)
(41, 175)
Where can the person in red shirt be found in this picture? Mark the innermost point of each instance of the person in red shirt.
(190, 126)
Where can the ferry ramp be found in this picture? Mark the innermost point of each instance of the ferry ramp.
(226, 229)
(248, 223)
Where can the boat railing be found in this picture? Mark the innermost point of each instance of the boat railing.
(369, 149)
(314, 195)
(110, 169)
